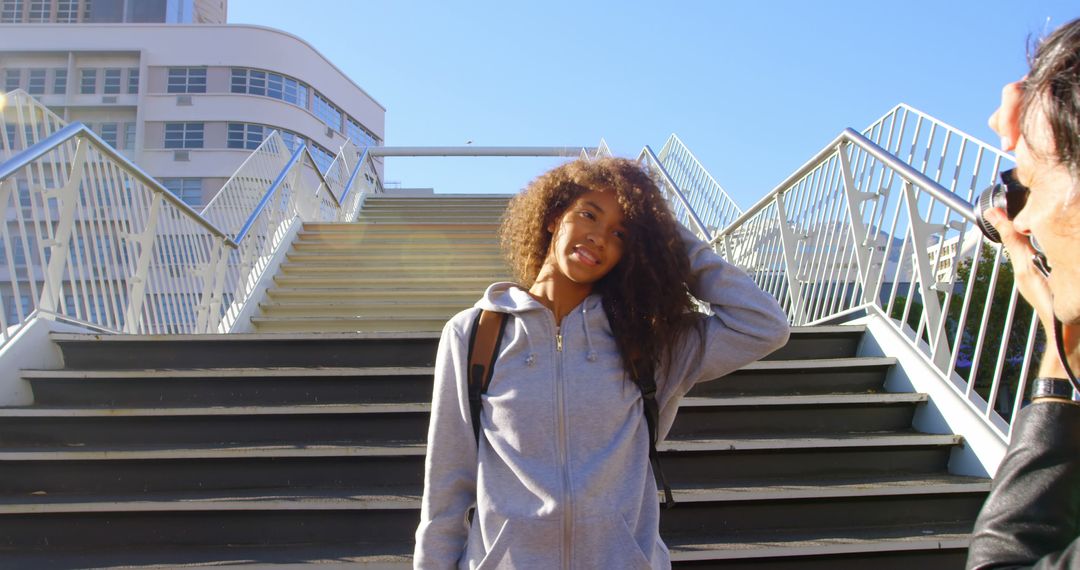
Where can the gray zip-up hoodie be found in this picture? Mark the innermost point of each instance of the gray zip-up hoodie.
(562, 477)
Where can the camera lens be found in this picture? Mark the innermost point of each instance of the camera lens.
(1009, 195)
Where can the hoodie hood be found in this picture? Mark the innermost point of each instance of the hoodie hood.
(508, 297)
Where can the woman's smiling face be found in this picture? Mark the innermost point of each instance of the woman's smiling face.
(588, 238)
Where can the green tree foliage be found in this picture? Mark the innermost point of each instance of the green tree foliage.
(999, 299)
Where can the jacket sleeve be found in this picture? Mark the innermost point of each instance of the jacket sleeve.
(450, 468)
(1031, 518)
(746, 324)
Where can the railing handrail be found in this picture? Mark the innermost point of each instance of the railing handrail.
(849, 135)
(53, 141)
(648, 152)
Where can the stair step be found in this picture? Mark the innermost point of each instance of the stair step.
(801, 377)
(795, 416)
(467, 298)
(491, 271)
(360, 227)
(486, 246)
(431, 322)
(373, 258)
(476, 283)
(407, 422)
(375, 349)
(235, 425)
(940, 546)
(347, 555)
(224, 386)
(839, 341)
(359, 308)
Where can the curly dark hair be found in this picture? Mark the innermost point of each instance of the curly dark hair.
(1054, 81)
(646, 296)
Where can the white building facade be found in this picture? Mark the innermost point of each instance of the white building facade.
(188, 102)
(186, 97)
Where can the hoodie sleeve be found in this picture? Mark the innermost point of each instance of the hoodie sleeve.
(746, 324)
(450, 467)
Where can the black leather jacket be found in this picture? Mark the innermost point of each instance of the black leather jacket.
(1032, 517)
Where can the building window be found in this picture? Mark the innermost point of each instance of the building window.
(133, 80)
(112, 82)
(292, 140)
(327, 112)
(183, 135)
(129, 136)
(264, 83)
(36, 83)
(108, 132)
(12, 79)
(11, 11)
(359, 135)
(39, 11)
(323, 158)
(88, 85)
(189, 190)
(67, 11)
(246, 135)
(187, 80)
(59, 81)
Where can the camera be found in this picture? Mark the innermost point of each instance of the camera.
(1009, 194)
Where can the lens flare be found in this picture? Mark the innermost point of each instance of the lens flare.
(3, 101)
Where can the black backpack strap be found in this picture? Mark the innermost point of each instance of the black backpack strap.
(647, 384)
(484, 339)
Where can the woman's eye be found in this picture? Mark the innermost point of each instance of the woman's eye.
(588, 214)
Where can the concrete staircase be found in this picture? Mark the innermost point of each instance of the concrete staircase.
(406, 264)
(279, 449)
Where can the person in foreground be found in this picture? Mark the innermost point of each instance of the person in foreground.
(1032, 515)
(561, 476)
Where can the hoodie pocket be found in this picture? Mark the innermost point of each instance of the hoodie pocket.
(608, 542)
(524, 543)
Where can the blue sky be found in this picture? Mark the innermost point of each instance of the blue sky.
(753, 88)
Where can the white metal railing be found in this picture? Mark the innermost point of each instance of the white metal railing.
(702, 194)
(24, 122)
(92, 239)
(881, 222)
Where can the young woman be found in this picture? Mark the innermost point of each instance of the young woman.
(562, 477)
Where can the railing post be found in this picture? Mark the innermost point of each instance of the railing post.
(865, 253)
(209, 276)
(920, 236)
(145, 241)
(788, 242)
(68, 198)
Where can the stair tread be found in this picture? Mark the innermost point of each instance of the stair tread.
(228, 500)
(214, 451)
(372, 556)
(282, 371)
(736, 545)
(796, 488)
(39, 411)
(804, 400)
(885, 439)
(349, 318)
(173, 411)
(245, 337)
(382, 498)
(419, 449)
(819, 363)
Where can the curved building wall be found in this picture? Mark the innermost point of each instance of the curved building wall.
(139, 85)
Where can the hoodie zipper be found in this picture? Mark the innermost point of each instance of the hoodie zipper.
(563, 452)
